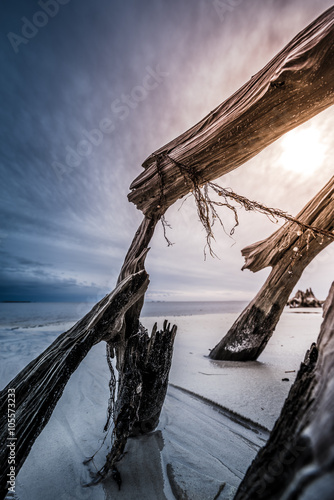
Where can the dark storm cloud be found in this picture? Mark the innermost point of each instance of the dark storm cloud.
(146, 70)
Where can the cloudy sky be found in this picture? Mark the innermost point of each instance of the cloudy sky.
(88, 91)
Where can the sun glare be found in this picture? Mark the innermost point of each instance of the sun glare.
(303, 151)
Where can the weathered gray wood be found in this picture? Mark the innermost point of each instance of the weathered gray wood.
(143, 362)
(142, 390)
(288, 252)
(39, 386)
(265, 253)
(298, 460)
(294, 86)
(134, 262)
(135, 258)
(155, 365)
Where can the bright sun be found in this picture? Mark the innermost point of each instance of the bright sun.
(303, 151)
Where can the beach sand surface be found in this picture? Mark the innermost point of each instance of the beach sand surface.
(215, 418)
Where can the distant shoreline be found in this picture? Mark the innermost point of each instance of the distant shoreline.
(15, 301)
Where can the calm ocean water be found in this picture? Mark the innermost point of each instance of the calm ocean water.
(40, 314)
(27, 329)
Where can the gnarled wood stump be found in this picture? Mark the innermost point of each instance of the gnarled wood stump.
(142, 389)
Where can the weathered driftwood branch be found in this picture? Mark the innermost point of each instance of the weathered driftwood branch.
(298, 459)
(294, 86)
(135, 258)
(143, 363)
(317, 212)
(289, 252)
(208, 214)
(39, 386)
(134, 262)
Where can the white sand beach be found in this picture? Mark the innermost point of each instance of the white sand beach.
(213, 421)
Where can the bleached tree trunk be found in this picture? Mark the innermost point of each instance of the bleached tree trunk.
(288, 252)
(297, 462)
